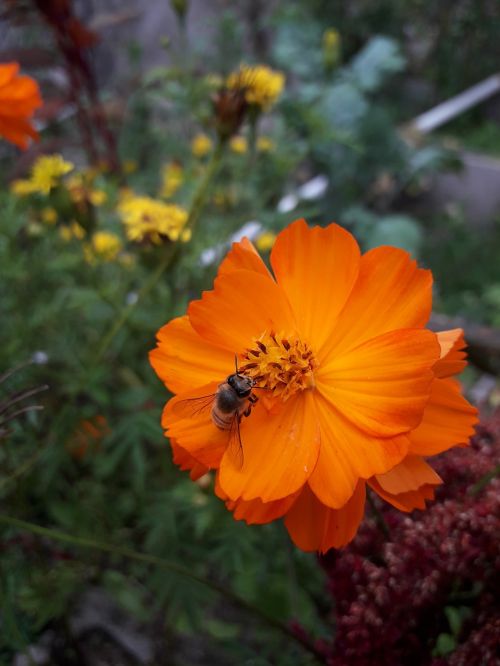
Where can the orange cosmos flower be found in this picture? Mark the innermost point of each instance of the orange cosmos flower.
(356, 390)
(19, 97)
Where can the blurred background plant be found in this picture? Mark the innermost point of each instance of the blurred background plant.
(242, 120)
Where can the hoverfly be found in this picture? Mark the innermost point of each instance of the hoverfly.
(232, 401)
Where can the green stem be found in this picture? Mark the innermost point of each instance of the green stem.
(379, 518)
(484, 480)
(153, 560)
(193, 216)
(23, 468)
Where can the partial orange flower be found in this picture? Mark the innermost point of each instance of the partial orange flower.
(352, 388)
(19, 97)
(87, 436)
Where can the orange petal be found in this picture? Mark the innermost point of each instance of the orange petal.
(347, 454)
(183, 360)
(410, 474)
(17, 131)
(453, 357)
(313, 526)
(390, 293)
(317, 269)
(198, 436)
(243, 255)
(186, 462)
(448, 420)
(242, 305)
(280, 451)
(255, 511)
(408, 501)
(8, 71)
(383, 385)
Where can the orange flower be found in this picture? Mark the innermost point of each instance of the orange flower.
(19, 97)
(355, 389)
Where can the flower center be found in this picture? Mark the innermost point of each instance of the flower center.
(282, 364)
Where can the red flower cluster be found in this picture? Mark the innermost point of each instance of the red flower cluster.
(390, 594)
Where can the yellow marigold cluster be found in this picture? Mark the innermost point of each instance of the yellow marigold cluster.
(103, 246)
(201, 145)
(46, 173)
(261, 84)
(147, 219)
(172, 179)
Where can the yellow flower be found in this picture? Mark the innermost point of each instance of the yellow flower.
(265, 241)
(49, 215)
(47, 172)
(331, 47)
(129, 166)
(172, 179)
(265, 144)
(72, 231)
(97, 197)
(79, 186)
(22, 187)
(104, 246)
(145, 218)
(201, 145)
(331, 39)
(238, 144)
(262, 85)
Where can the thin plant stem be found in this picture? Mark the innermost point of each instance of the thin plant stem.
(193, 216)
(379, 518)
(484, 480)
(84, 542)
(25, 467)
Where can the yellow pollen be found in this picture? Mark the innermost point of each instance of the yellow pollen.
(280, 363)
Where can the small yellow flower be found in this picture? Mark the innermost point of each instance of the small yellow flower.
(265, 144)
(331, 47)
(48, 215)
(104, 246)
(22, 187)
(47, 172)
(72, 231)
(186, 235)
(331, 39)
(261, 84)
(265, 241)
(172, 179)
(201, 145)
(97, 197)
(239, 144)
(129, 166)
(145, 218)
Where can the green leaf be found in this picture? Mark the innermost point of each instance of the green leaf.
(398, 230)
(378, 60)
(444, 645)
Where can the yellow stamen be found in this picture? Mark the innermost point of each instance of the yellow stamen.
(282, 364)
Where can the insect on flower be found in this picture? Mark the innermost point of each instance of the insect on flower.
(232, 401)
(358, 392)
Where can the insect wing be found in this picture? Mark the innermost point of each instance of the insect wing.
(192, 407)
(235, 445)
